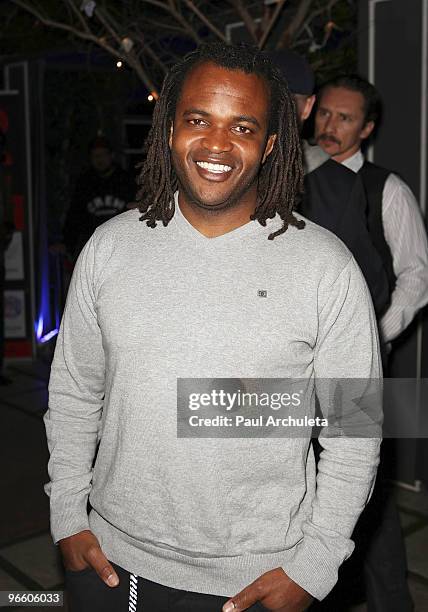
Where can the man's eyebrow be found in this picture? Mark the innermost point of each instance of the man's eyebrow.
(344, 113)
(247, 119)
(238, 118)
(195, 111)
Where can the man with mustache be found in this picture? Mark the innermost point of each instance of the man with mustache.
(348, 109)
(334, 195)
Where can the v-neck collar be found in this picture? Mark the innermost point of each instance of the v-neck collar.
(236, 234)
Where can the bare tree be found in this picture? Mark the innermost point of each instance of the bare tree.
(150, 35)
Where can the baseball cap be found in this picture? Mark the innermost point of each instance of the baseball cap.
(296, 70)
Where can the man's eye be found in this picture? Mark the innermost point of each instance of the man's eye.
(345, 118)
(242, 129)
(196, 122)
(322, 112)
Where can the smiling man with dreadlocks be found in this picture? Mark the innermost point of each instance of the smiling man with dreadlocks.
(280, 179)
(213, 277)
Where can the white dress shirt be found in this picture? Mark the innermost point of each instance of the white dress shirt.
(405, 234)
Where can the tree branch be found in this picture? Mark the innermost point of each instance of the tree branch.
(98, 14)
(54, 24)
(314, 14)
(154, 57)
(296, 22)
(111, 20)
(246, 18)
(178, 16)
(89, 37)
(151, 24)
(271, 23)
(79, 15)
(205, 20)
(159, 25)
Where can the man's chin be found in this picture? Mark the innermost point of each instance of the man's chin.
(211, 205)
(328, 146)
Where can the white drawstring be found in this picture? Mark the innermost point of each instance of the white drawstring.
(133, 589)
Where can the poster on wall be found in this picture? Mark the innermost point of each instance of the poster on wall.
(14, 258)
(14, 314)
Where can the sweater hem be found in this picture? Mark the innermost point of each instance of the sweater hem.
(223, 576)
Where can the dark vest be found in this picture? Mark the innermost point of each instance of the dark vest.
(374, 178)
(335, 198)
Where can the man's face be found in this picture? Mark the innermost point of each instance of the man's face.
(101, 159)
(219, 137)
(339, 122)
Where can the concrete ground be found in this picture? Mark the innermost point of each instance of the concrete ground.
(28, 559)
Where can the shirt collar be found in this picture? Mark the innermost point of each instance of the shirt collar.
(354, 162)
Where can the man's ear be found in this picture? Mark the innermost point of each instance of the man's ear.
(269, 147)
(171, 131)
(307, 108)
(367, 130)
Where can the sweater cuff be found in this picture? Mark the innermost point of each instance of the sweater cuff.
(68, 515)
(67, 524)
(314, 568)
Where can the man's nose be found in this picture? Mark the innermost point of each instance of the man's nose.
(329, 124)
(217, 140)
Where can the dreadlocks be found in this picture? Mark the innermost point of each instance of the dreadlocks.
(280, 180)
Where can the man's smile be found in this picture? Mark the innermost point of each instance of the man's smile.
(216, 168)
(212, 171)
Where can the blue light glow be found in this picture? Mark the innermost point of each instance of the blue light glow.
(48, 336)
(39, 328)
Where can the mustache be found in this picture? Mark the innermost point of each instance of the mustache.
(327, 138)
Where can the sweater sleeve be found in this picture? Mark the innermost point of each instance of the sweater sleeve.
(76, 393)
(347, 347)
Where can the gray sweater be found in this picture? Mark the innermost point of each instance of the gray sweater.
(147, 306)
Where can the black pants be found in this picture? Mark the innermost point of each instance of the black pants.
(380, 535)
(377, 570)
(86, 592)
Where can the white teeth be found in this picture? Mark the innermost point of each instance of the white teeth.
(216, 168)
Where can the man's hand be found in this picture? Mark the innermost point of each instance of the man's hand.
(83, 550)
(275, 591)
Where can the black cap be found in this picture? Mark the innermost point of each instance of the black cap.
(296, 70)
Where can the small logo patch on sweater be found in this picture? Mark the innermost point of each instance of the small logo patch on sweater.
(262, 293)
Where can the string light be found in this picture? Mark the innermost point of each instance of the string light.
(150, 98)
(119, 64)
